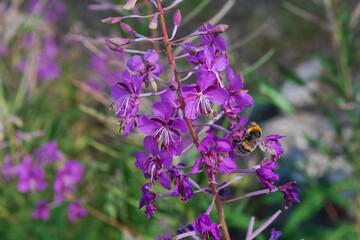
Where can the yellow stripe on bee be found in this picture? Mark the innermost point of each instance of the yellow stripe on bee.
(253, 127)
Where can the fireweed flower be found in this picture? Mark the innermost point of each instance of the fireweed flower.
(67, 179)
(291, 194)
(235, 88)
(31, 177)
(204, 226)
(75, 211)
(267, 175)
(271, 145)
(153, 165)
(213, 64)
(164, 128)
(213, 40)
(126, 100)
(182, 185)
(198, 99)
(148, 200)
(49, 153)
(136, 64)
(41, 210)
(213, 160)
(275, 234)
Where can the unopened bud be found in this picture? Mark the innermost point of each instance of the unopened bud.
(177, 18)
(152, 83)
(129, 5)
(126, 28)
(173, 85)
(153, 23)
(218, 29)
(114, 47)
(191, 50)
(120, 41)
(112, 20)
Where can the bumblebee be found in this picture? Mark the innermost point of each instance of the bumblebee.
(249, 140)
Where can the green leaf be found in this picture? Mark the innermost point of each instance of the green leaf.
(290, 75)
(276, 98)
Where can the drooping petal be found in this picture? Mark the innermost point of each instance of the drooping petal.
(197, 165)
(140, 160)
(166, 158)
(151, 145)
(243, 99)
(165, 181)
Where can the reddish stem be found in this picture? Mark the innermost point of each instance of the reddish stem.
(212, 186)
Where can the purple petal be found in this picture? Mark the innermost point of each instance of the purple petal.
(151, 145)
(221, 63)
(159, 68)
(197, 165)
(222, 145)
(217, 95)
(140, 160)
(135, 63)
(165, 158)
(191, 109)
(220, 43)
(162, 110)
(244, 99)
(227, 165)
(148, 126)
(179, 124)
(165, 181)
(152, 57)
(206, 79)
(236, 84)
(205, 144)
(189, 92)
(229, 76)
(117, 92)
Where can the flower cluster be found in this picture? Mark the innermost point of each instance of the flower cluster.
(191, 97)
(31, 178)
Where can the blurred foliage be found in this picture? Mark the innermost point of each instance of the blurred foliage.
(85, 130)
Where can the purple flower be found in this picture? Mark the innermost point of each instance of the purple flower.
(235, 88)
(146, 71)
(66, 179)
(214, 161)
(165, 129)
(148, 200)
(212, 40)
(198, 99)
(271, 145)
(49, 153)
(291, 194)
(213, 64)
(182, 185)
(31, 177)
(126, 100)
(41, 210)
(153, 165)
(48, 68)
(204, 226)
(267, 174)
(170, 97)
(275, 234)
(75, 211)
(8, 170)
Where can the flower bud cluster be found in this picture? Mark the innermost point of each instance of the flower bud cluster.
(186, 102)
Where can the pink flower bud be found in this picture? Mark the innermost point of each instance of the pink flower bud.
(177, 18)
(114, 47)
(191, 50)
(126, 28)
(218, 29)
(112, 20)
(153, 23)
(120, 41)
(129, 5)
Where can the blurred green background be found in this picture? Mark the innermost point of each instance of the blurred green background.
(300, 61)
